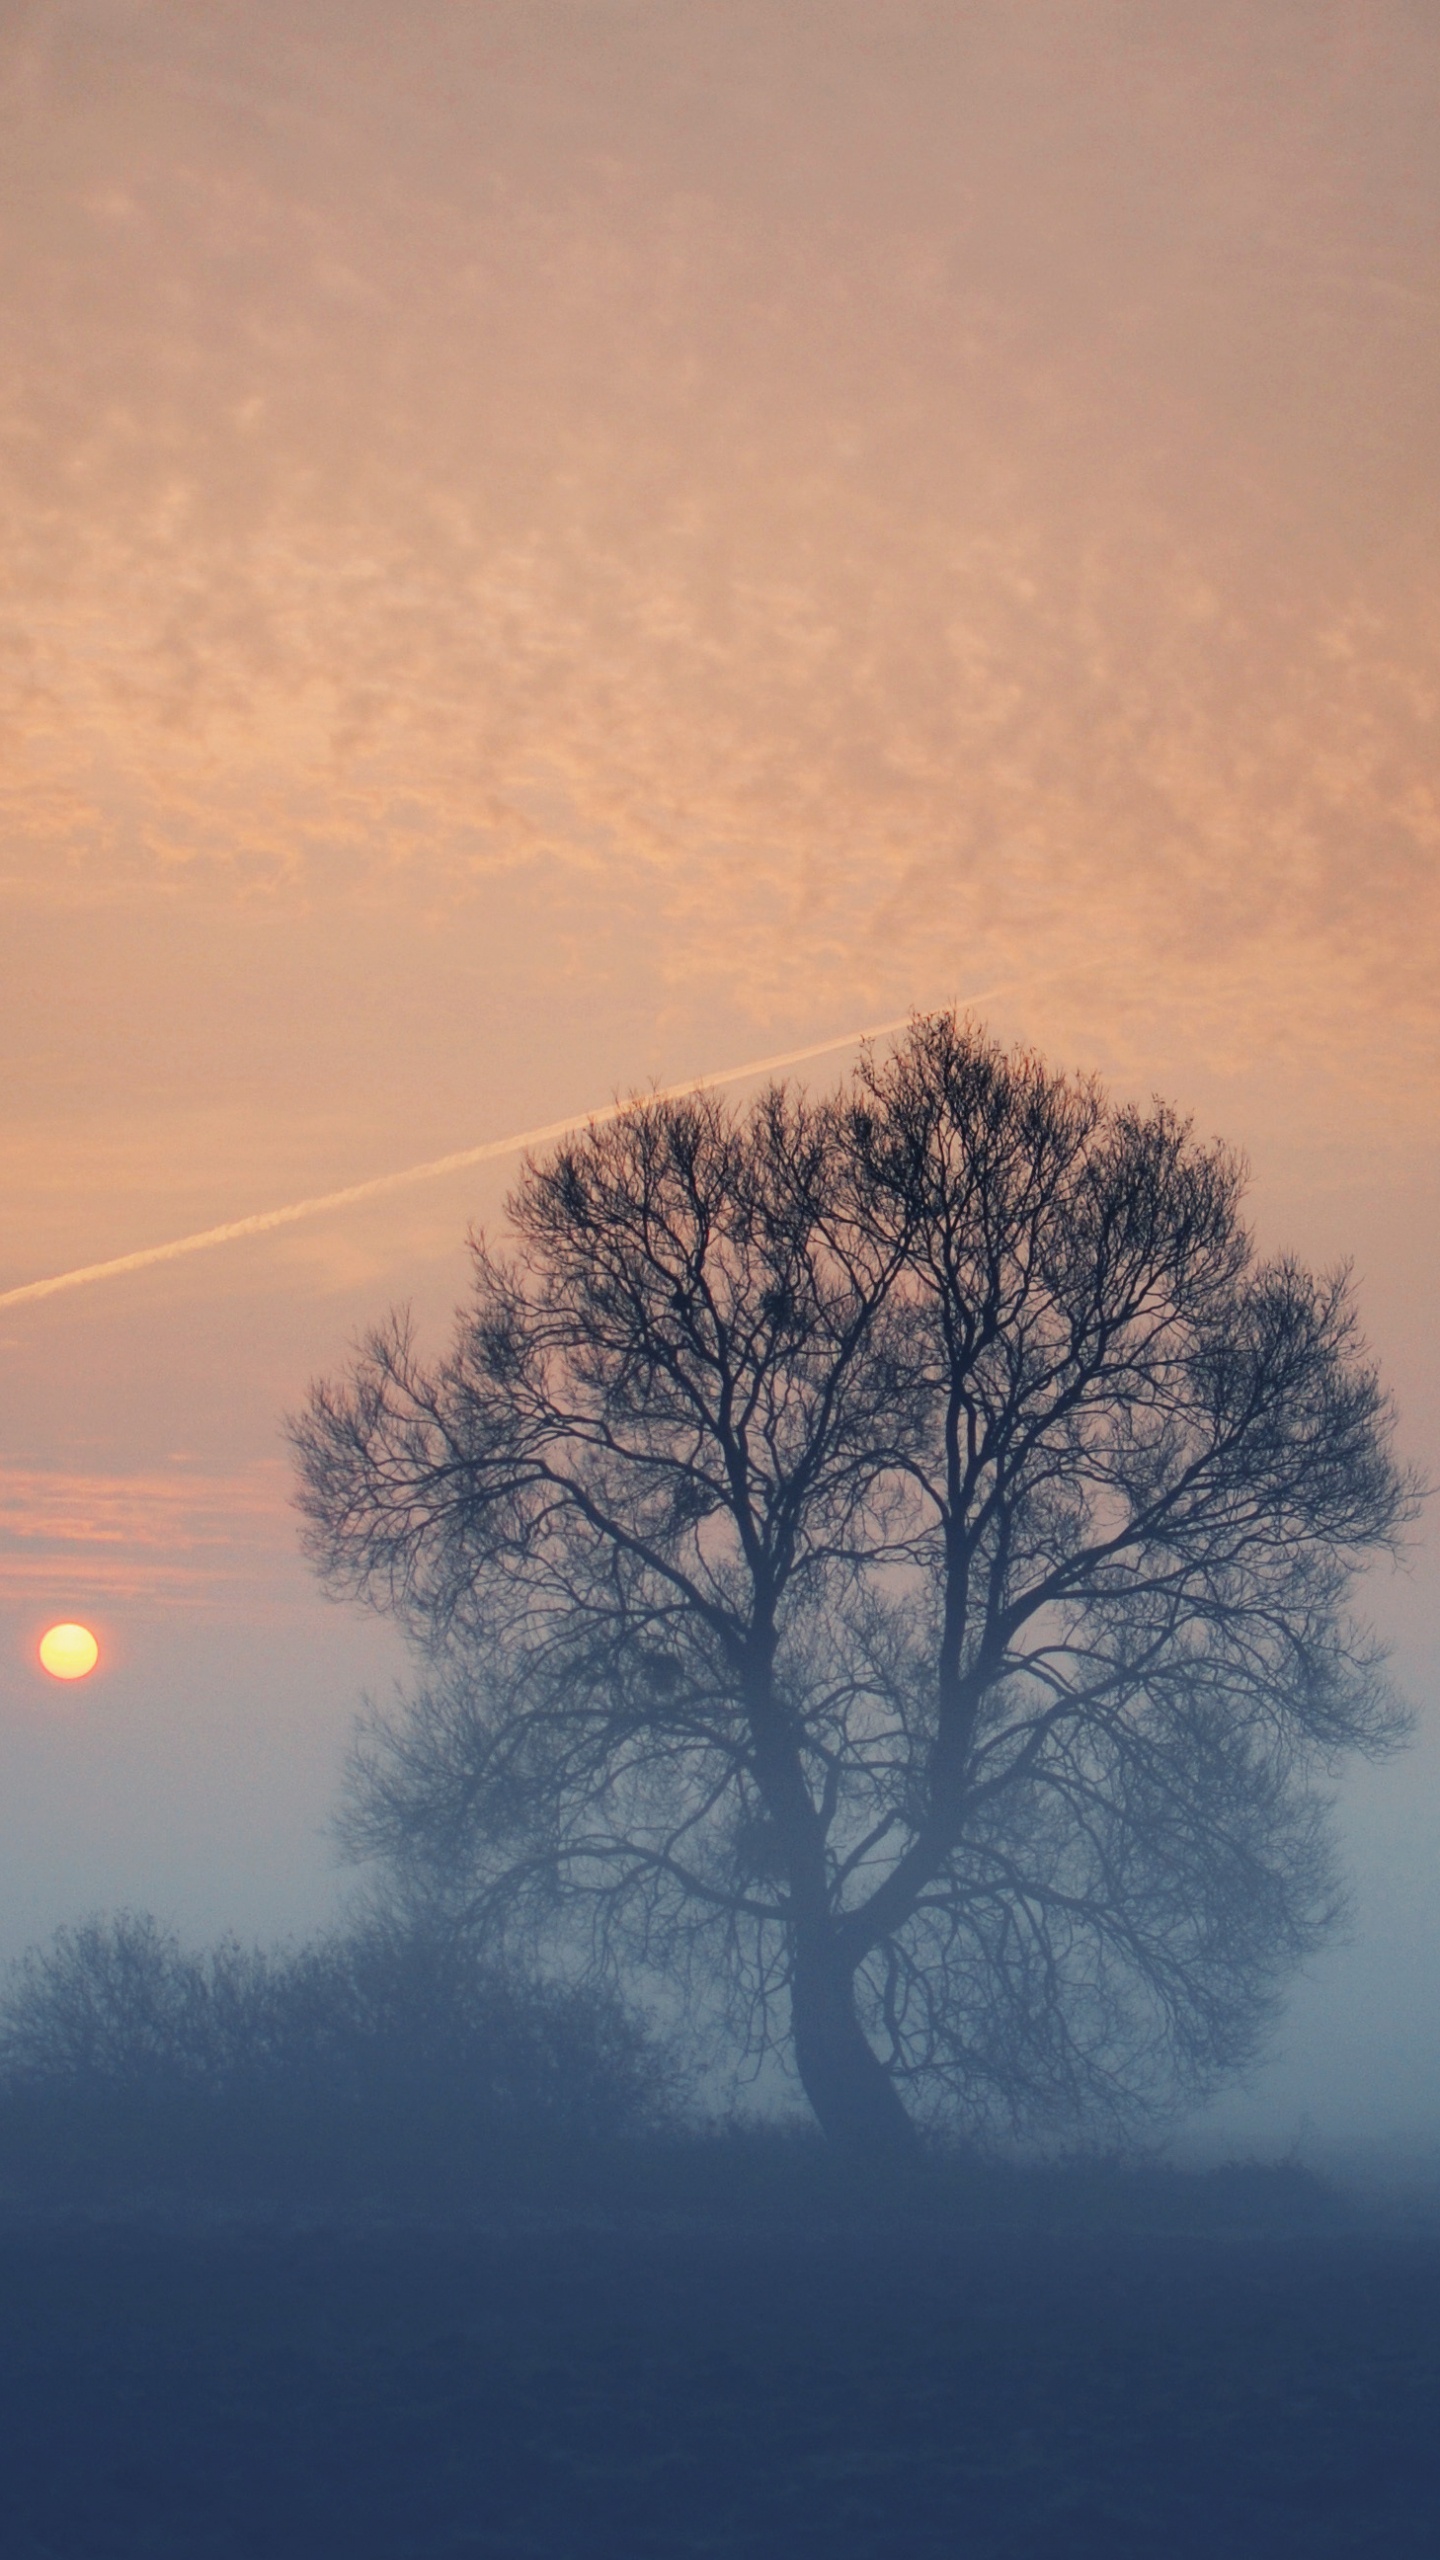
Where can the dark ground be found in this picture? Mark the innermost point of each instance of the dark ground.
(736, 2392)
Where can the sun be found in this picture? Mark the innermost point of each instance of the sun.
(68, 1652)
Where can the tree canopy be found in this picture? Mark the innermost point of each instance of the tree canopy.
(890, 1551)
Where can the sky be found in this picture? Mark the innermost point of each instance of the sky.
(547, 548)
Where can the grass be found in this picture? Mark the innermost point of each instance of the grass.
(359, 2253)
(1082, 2364)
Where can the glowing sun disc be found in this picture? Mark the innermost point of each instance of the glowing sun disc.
(68, 1652)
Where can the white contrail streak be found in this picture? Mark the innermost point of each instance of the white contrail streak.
(265, 1219)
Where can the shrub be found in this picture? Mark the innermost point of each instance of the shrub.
(394, 2058)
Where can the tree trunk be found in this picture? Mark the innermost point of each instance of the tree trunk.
(854, 2098)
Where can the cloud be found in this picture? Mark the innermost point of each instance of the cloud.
(960, 518)
(181, 1538)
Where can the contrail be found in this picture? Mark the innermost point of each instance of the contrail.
(265, 1219)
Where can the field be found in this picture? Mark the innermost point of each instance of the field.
(650, 2388)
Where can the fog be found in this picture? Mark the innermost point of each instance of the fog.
(546, 551)
(553, 547)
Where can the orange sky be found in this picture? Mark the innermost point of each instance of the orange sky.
(548, 546)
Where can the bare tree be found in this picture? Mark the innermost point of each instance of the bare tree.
(894, 1548)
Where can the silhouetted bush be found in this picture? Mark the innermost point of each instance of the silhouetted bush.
(393, 2060)
(394, 2067)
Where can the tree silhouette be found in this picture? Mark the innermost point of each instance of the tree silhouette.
(894, 1549)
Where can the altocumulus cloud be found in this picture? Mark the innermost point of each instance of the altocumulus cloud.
(894, 491)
